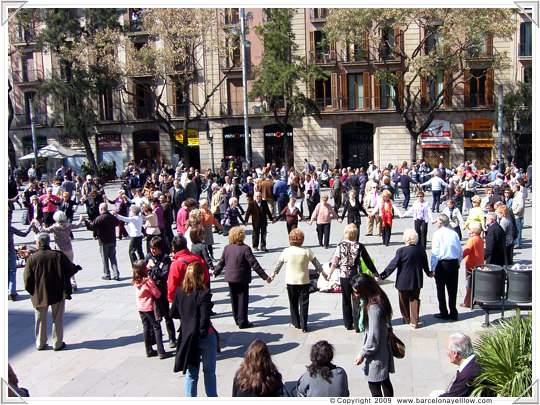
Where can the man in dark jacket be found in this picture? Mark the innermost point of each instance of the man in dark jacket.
(104, 227)
(259, 211)
(494, 252)
(362, 181)
(460, 351)
(404, 183)
(46, 278)
(177, 197)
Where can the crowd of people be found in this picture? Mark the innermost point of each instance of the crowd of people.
(173, 279)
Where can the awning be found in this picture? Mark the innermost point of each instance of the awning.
(55, 152)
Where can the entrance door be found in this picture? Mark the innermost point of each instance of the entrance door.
(357, 144)
(146, 147)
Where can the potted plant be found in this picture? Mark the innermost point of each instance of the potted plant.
(505, 354)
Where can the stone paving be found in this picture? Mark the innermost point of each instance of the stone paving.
(105, 356)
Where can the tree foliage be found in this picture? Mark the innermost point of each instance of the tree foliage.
(179, 40)
(84, 43)
(282, 71)
(453, 39)
(517, 114)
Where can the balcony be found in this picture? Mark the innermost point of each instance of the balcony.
(352, 57)
(323, 57)
(27, 76)
(143, 113)
(327, 104)
(231, 108)
(110, 115)
(23, 120)
(234, 63)
(318, 14)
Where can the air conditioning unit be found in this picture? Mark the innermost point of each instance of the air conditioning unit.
(326, 56)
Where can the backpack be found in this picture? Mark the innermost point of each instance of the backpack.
(311, 168)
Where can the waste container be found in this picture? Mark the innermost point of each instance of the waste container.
(519, 285)
(488, 283)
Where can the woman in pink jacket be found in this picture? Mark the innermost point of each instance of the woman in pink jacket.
(145, 291)
(321, 216)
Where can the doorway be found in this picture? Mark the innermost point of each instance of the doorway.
(357, 144)
(146, 147)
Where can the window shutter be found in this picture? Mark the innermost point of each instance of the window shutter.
(312, 41)
(423, 92)
(377, 94)
(398, 43)
(367, 90)
(400, 89)
(334, 90)
(489, 87)
(467, 88)
(489, 46)
(332, 50)
(344, 92)
(365, 46)
(448, 93)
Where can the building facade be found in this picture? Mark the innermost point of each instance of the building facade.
(358, 122)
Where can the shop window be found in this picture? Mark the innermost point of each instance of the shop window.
(525, 39)
(479, 88)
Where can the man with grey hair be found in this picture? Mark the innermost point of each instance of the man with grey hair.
(460, 351)
(46, 278)
(104, 227)
(446, 255)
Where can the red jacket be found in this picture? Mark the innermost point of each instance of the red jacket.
(178, 268)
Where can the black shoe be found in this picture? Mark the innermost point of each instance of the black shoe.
(453, 317)
(117, 278)
(264, 249)
(441, 316)
(256, 249)
(62, 345)
(304, 329)
(12, 297)
(105, 277)
(151, 353)
(246, 326)
(357, 330)
(165, 355)
(349, 327)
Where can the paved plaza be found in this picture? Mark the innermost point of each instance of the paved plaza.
(105, 355)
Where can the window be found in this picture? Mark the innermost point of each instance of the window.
(27, 32)
(358, 91)
(391, 42)
(433, 39)
(483, 48)
(28, 67)
(231, 16)
(479, 88)
(28, 98)
(321, 50)
(527, 74)
(135, 19)
(106, 105)
(324, 90)
(357, 51)
(385, 93)
(525, 39)
(143, 101)
(431, 87)
(319, 13)
(179, 102)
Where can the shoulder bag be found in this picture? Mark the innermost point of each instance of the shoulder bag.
(396, 345)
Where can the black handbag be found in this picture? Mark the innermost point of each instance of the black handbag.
(396, 345)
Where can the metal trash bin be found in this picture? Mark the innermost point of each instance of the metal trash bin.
(488, 285)
(519, 285)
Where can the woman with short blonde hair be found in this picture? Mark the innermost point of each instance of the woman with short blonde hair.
(238, 260)
(410, 237)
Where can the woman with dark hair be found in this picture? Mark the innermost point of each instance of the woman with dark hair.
(198, 247)
(258, 376)
(291, 213)
(297, 277)
(197, 339)
(375, 353)
(323, 379)
(352, 208)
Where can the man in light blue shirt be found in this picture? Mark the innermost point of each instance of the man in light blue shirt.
(436, 184)
(446, 254)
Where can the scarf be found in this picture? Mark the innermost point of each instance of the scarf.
(386, 213)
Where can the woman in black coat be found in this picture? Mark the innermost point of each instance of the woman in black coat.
(238, 260)
(410, 260)
(352, 208)
(197, 339)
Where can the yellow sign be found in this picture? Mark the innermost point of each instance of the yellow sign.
(193, 136)
(478, 143)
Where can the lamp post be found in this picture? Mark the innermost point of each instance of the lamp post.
(500, 122)
(244, 84)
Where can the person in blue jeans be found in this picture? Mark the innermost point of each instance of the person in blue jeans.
(197, 340)
(12, 257)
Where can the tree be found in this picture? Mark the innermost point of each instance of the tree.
(187, 38)
(517, 114)
(84, 43)
(454, 41)
(282, 70)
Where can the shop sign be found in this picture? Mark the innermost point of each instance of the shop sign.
(276, 134)
(193, 136)
(479, 124)
(236, 135)
(437, 135)
(41, 142)
(68, 142)
(109, 141)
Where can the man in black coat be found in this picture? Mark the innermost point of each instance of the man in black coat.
(362, 181)
(177, 197)
(259, 211)
(404, 184)
(460, 351)
(494, 252)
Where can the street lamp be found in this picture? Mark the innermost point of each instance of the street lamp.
(244, 84)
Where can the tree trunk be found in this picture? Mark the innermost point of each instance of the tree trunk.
(285, 146)
(185, 147)
(89, 154)
(414, 140)
(11, 115)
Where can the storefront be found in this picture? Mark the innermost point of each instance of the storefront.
(193, 146)
(436, 142)
(109, 147)
(146, 147)
(234, 141)
(274, 144)
(478, 142)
